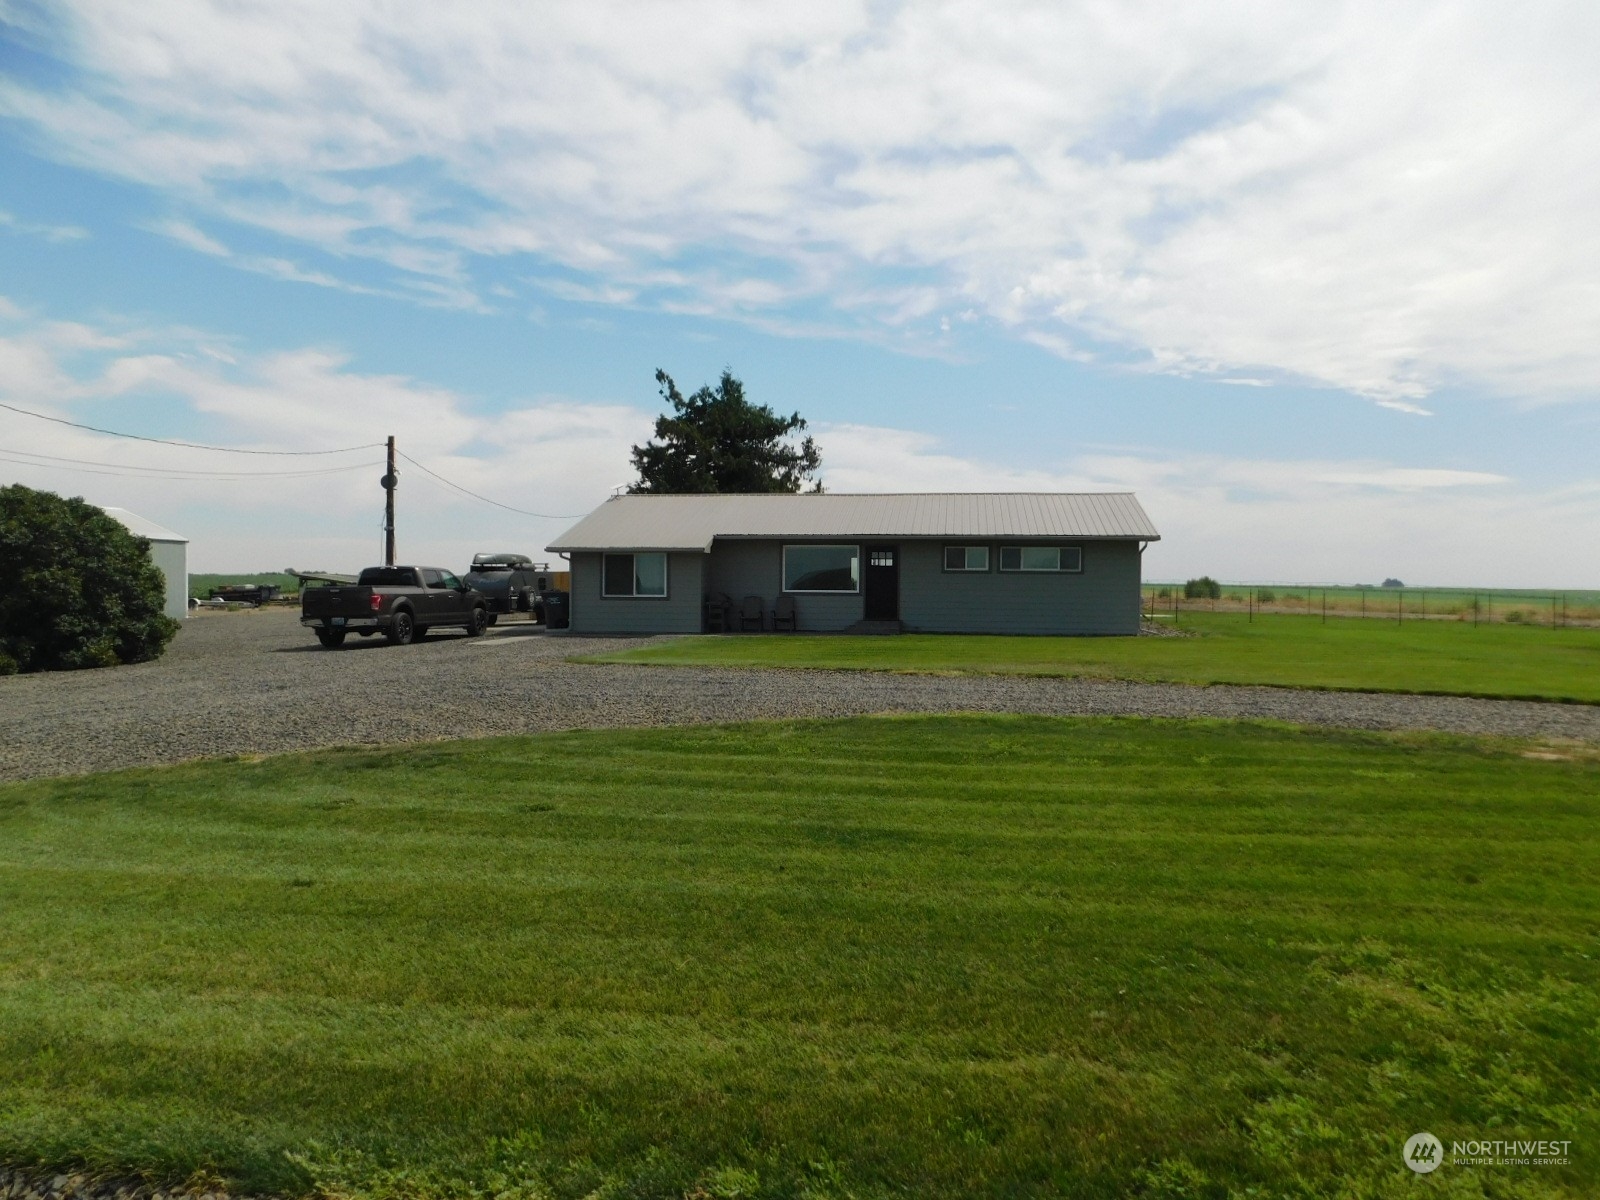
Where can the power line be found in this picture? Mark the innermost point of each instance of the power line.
(139, 437)
(181, 477)
(136, 469)
(465, 492)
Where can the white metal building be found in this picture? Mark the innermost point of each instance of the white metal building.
(169, 551)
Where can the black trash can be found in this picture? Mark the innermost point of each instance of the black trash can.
(557, 609)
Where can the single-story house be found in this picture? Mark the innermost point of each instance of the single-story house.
(1031, 563)
(169, 551)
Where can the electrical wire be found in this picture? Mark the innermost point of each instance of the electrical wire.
(188, 477)
(139, 437)
(134, 468)
(465, 492)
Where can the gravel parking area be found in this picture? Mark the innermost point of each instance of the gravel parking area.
(255, 682)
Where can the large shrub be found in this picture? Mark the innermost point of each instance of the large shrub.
(1204, 588)
(76, 588)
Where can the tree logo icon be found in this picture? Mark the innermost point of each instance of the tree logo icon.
(1423, 1153)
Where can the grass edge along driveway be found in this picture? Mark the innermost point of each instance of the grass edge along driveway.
(944, 956)
(1447, 658)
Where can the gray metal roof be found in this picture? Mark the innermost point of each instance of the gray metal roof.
(692, 522)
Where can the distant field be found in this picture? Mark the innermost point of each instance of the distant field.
(1445, 657)
(1482, 605)
(932, 957)
(200, 585)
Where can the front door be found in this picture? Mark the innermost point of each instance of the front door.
(881, 584)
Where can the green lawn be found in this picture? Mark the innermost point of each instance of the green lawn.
(1444, 657)
(934, 956)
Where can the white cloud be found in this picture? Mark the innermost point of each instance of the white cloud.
(1302, 520)
(1298, 521)
(50, 233)
(546, 455)
(1383, 198)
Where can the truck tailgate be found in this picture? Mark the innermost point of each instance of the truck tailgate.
(336, 602)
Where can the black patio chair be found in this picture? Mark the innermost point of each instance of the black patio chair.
(784, 616)
(754, 610)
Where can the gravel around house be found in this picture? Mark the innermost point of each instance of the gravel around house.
(255, 682)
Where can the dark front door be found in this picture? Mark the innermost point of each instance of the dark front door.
(881, 584)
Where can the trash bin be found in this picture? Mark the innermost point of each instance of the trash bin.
(557, 609)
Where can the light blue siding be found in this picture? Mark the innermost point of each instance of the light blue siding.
(1102, 599)
(740, 568)
(677, 612)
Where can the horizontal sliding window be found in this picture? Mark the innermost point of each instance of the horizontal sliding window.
(966, 558)
(1041, 558)
(642, 575)
(821, 569)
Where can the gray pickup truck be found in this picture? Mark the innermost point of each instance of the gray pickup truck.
(403, 603)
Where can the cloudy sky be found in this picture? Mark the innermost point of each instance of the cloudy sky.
(1320, 282)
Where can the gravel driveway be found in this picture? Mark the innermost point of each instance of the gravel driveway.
(256, 682)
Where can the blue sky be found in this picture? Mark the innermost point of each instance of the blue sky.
(1320, 287)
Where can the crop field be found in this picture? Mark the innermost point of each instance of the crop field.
(1435, 657)
(935, 956)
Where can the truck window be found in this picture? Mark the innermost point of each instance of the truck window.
(447, 580)
(430, 579)
(387, 577)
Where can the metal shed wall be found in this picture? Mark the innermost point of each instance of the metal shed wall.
(172, 559)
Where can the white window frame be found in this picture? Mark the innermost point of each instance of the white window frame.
(633, 574)
(784, 577)
(944, 560)
(1062, 555)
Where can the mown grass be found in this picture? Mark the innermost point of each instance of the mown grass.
(1434, 657)
(934, 956)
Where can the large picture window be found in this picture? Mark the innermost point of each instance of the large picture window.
(642, 575)
(1041, 558)
(821, 569)
(966, 558)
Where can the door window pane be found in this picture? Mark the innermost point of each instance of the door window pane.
(821, 569)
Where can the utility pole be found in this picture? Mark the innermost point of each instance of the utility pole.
(389, 481)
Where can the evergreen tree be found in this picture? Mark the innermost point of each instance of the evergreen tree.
(717, 441)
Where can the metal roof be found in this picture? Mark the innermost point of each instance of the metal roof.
(144, 527)
(646, 522)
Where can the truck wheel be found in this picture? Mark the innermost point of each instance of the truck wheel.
(331, 639)
(477, 623)
(401, 629)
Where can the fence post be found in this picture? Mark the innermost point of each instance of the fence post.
(1324, 606)
(1400, 607)
(1474, 611)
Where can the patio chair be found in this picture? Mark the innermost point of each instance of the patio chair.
(754, 610)
(783, 614)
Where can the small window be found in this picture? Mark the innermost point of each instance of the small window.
(966, 558)
(447, 580)
(880, 558)
(641, 575)
(821, 569)
(1041, 558)
(430, 579)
